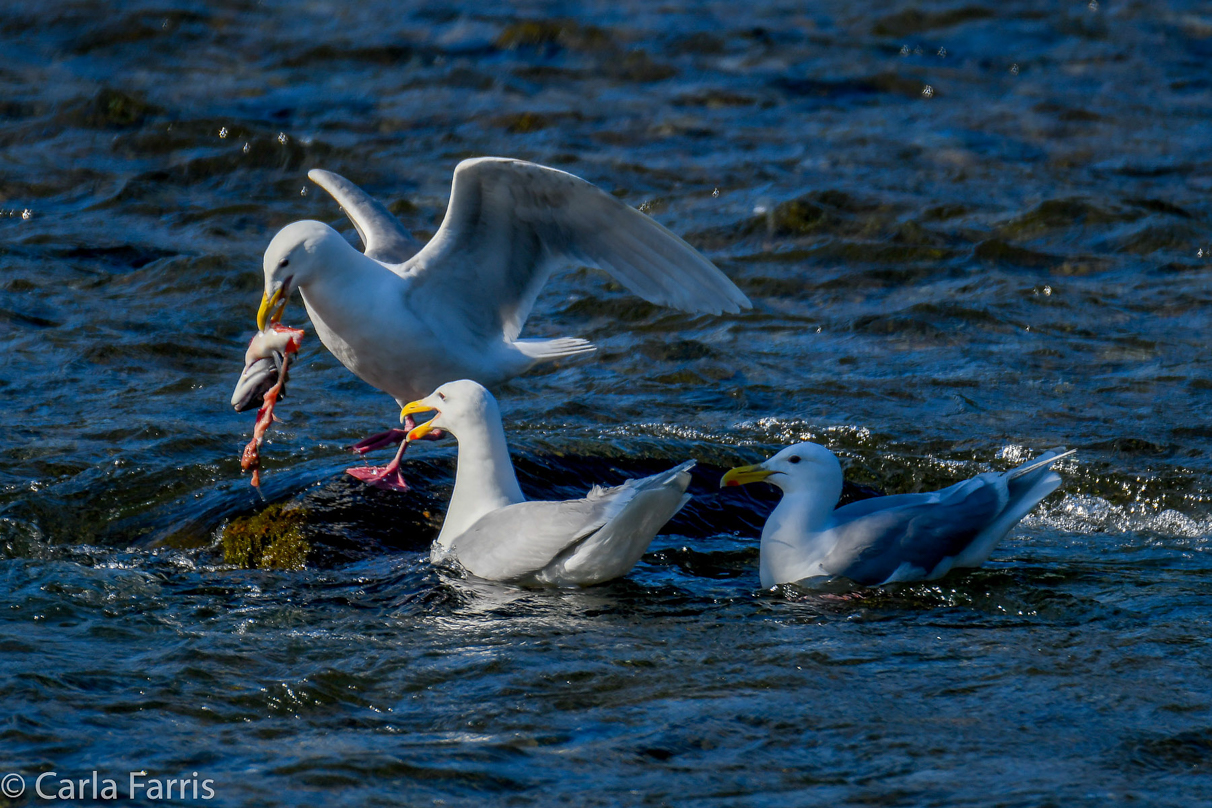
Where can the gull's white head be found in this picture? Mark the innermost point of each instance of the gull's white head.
(459, 405)
(294, 256)
(804, 467)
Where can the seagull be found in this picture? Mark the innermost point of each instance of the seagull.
(406, 319)
(906, 537)
(494, 533)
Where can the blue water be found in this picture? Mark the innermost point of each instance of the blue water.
(945, 281)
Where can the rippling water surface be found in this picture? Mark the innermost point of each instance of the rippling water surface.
(970, 232)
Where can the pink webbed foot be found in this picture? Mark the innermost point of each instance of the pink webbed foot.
(387, 477)
(379, 477)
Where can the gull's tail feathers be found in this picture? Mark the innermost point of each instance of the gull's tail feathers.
(1026, 486)
(545, 350)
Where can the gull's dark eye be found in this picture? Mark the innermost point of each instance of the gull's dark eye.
(441, 395)
(793, 459)
(285, 262)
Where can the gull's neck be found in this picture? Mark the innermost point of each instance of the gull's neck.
(357, 306)
(348, 287)
(794, 539)
(484, 481)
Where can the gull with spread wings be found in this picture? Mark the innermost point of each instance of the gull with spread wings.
(408, 320)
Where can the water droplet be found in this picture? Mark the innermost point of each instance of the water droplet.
(246, 149)
(818, 329)
(27, 214)
(1014, 68)
(1093, 5)
(222, 131)
(918, 50)
(1200, 254)
(904, 50)
(282, 138)
(165, 23)
(1047, 290)
(927, 92)
(942, 52)
(1028, 328)
(758, 210)
(303, 191)
(716, 193)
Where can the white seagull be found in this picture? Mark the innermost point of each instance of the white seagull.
(906, 537)
(407, 321)
(494, 533)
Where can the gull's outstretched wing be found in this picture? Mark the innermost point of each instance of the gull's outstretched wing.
(907, 537)
(510, 223)
(519, 540)
(383, 237)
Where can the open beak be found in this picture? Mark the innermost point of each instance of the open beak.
(742, 475)
(266, 314)
(413, 407)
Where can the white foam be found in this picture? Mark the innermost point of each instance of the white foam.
(1086, 514)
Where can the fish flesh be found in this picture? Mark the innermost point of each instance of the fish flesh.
(262, 384)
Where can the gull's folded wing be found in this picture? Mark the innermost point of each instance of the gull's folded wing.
(383, 237)
(874, 543)
(510, 223)
(519, 540)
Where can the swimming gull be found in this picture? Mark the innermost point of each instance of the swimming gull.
(407, 321)
(906, 537)
(494, 533)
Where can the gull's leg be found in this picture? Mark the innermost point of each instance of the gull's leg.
(388, 438)
(388, 476)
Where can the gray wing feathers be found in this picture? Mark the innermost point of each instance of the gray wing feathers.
(958, 526)
(510, 222)
(923, 534)
(518, 540)
(581, 536)
(383, 237)
(863, 507)
(1026, 486)
(614, 549)
(1031, 482)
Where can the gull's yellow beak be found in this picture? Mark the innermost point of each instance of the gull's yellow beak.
(267, 304)
(742, 475)
(412, 408)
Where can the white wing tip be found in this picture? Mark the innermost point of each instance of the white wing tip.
(548, 349)
(1045, 461)
(677, 471)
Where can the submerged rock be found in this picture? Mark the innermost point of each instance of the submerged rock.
(269, 540)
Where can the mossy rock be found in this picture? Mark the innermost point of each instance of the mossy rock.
(269, 540)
